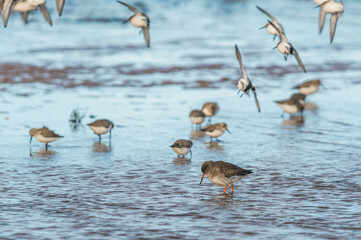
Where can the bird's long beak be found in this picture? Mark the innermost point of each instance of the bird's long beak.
(202, 178)
(31, 138)
(323, 85)
(228, 131)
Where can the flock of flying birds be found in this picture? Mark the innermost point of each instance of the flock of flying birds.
(219, 172)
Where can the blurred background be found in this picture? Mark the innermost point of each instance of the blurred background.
(306, 180)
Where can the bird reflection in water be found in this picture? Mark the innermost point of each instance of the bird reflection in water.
(197, 134)
(215, 146)
(294, 120)
(100, 147)
(44, 153)
(311, 106)
(181, 161)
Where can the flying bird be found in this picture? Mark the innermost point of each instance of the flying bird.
(286, 47)
(270, 29)
(336, 10)
(244, 83)
(139, 19)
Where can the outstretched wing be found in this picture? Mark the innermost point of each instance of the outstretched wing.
(333, 24)
(25, 16)
(321, 19)
(255, 99)
(60, 6)
(46, 14)
(265, 12)
(239, 57)
(298, 59)
(146, 36)
(6, 11)
(130, 7)
(280, 33)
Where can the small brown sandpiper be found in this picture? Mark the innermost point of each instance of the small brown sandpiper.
(139, 19)
(197, 117)
(44, 135)
(309, 87)
(293, 105)
(210, 109)
(215, 130)
(182, 147)
(223, 173)
(101, 126)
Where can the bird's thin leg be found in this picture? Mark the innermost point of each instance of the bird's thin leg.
(209, 120)
(274, 37)
(100, 138)
(225, 189)
(232, 188)
(241, 95)
(46, 146)
(218, 140)
(283, 115)
(211, 139)
(110, 134)
(191, 153)
(238, 92)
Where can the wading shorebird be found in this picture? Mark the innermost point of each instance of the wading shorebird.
(210, 109)
(293, 105)
(139, 19)
(286, 47)
(182, 147)
(334, 8)
(223, 174)
(25, 6)
(197, 117)
(309, 87)
(244, 83)
(44, 135)
(101, 126)
(216, 130)
(270, 29)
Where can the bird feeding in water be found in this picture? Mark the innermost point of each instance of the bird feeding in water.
(223, 174)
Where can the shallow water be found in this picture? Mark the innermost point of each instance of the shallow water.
(306, 181)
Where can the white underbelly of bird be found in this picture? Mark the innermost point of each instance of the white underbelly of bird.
(333, 7)
(100, 130)
(139, 21)
(308, 90)
(284, 48)
(289, 108)
(181, 151)
(242, 84)
(215, 133)
(197, 120)
(43, 139)
(270, 29)
(24, 7)
(36, 2)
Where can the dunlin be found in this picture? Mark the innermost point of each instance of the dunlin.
(293, 105)
(334, 8)
(182, 147)
(223, 173)
(25, 7)
(197, 117)
(139, 19)
(44, 135)
(270, 29)
(210, 109)
(216, 130)
(101, 126)
(244, 83)
(286, 47)
(309, 87)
